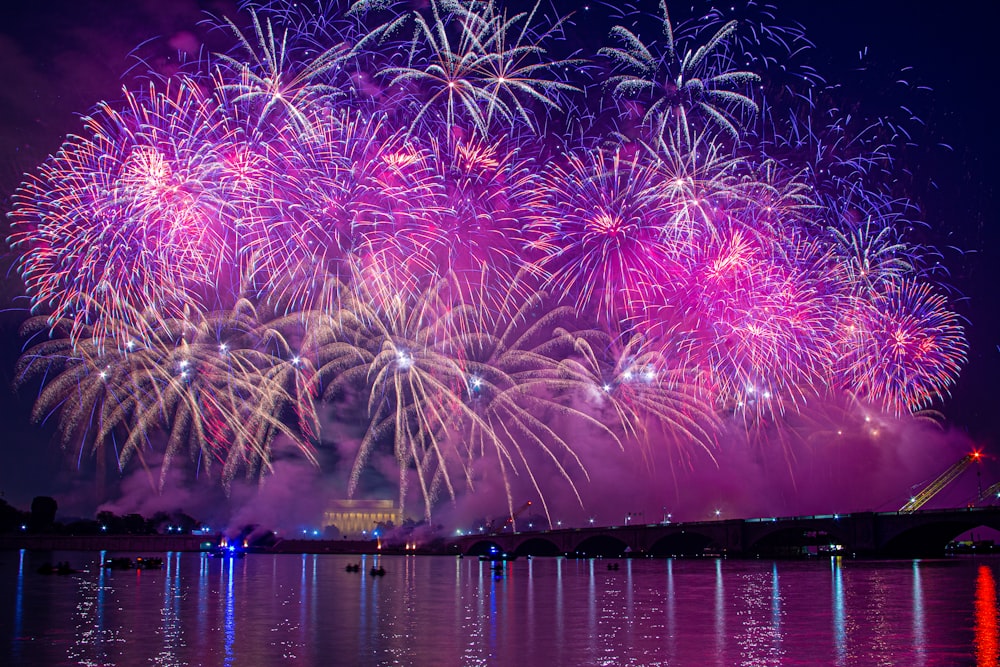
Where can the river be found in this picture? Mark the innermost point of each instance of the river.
(547, 612)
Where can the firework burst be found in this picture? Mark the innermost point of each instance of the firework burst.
(479, 242)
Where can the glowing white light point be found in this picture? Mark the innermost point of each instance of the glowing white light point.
(404, 360)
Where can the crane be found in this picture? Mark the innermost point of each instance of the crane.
(509, 522)
(946, 478)
(991, 493)
(516, 513)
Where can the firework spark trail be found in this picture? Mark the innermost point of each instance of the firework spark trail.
(472, 67)
(915, 339)
(682, 81)
(604, 229)
(477, 243)
(129, 217)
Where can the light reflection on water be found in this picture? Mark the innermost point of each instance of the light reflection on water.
(760, 639)
(839, 614)
(720, 611)
(987, 628)
(18, 606)
(549, 612)
(230, 619)
(919, 637)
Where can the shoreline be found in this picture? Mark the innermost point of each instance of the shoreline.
(191, 543)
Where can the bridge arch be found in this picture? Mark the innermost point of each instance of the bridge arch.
(783, 540)
(683, 543)
(537, 546)
(484, 548)
(930, 539)
(603, 545)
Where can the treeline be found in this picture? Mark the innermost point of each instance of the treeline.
(41, 518)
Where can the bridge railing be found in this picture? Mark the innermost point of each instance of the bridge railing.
(753, 520)
(951, 510)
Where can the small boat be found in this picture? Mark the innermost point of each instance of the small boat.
(148, 563)
(58, 568)
(377, 571)
(353, 567)
(227, 552)
(119, 563)
(494, 557)
(226, 549)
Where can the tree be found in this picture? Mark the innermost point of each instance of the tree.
(43, 512)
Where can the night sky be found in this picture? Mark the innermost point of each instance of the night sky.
(63, 56)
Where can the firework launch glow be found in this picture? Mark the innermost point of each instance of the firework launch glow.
(475, 238)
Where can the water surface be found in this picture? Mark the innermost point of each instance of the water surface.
(308, 610)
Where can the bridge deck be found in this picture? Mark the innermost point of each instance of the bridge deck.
(920, 533)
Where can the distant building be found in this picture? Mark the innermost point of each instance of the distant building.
(357, 518)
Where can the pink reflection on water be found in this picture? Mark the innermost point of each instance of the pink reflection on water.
(987, 641)
(541, 612)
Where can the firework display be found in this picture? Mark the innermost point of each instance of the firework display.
(474, 238)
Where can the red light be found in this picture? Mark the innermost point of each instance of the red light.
(986, 628)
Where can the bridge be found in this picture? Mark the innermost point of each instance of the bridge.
(923, 533)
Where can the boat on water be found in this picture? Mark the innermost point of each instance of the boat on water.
(58, 568)
(971, 547)
(140, 563)
(227, 549)
(495, 557)
(230, 551)
(118, 563)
